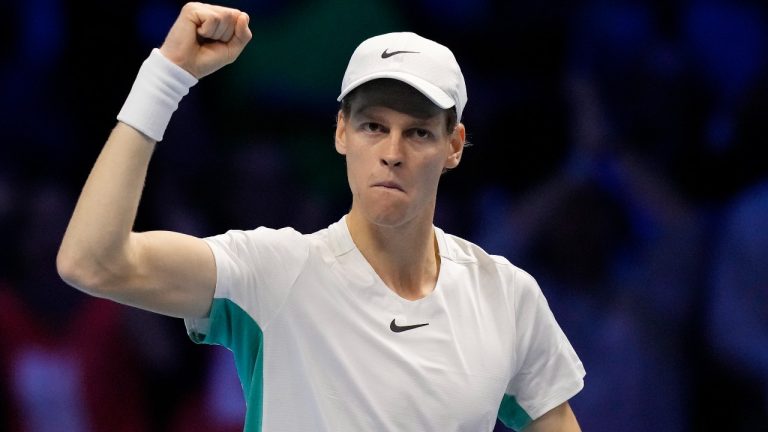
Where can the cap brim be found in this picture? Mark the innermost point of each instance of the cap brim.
(431, 91)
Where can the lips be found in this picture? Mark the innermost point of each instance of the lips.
(389, 185)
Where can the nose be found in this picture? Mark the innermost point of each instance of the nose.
(392, 152)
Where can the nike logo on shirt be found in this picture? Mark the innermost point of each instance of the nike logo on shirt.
(397, 329)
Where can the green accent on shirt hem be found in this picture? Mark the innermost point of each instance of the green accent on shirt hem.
(512, 414)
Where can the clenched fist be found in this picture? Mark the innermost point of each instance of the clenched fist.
(206, 37)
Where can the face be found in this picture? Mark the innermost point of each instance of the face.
(395, 160)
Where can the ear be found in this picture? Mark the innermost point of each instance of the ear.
(341, 134)
(457, 140)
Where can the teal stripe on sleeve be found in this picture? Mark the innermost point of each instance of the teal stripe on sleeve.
(512, 414)
(233, 328)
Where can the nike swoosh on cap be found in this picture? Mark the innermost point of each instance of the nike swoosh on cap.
(398, 329)
(386, 54)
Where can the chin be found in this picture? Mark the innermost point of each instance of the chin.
(387, 211)
(385, 215)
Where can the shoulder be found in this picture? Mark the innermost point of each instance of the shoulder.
(259, 246)
(257, 235)
(286, 241)
(245, 241)
(464, 252)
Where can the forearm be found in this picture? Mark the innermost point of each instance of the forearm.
(95, 244)
(96, 251)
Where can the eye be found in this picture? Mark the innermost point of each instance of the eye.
(422, 134)
(371, 127)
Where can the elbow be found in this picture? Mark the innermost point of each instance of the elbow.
(81, 273)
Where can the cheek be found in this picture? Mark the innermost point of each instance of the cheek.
(433, 170)
(356, 172)
(433, 181)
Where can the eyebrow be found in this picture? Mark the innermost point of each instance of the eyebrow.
(364, 115)
(426, 123)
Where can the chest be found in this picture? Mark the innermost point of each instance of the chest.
(353, 339)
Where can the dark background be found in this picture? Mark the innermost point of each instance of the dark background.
(618, 156)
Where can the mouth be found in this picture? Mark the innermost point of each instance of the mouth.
(389, 185)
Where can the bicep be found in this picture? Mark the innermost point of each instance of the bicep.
(558, 419)
(173, 274)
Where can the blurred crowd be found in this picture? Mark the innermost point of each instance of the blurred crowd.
(615, 156)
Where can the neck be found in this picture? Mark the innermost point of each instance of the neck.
(405, 257)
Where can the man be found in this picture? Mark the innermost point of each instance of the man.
(381, 322)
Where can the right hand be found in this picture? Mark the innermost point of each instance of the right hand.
(206, 37)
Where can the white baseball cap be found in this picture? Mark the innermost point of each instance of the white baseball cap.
(424, 64)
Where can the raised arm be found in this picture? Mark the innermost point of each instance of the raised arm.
(166, 272)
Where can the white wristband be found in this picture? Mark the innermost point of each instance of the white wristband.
(155, 95)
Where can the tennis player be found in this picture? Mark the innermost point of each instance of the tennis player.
(379, 322)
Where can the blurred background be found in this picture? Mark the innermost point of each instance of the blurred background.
(617, 156)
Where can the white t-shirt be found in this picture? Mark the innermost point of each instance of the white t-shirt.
(322, 344)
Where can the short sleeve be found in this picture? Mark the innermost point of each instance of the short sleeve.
(548, 371)
(255, 271)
